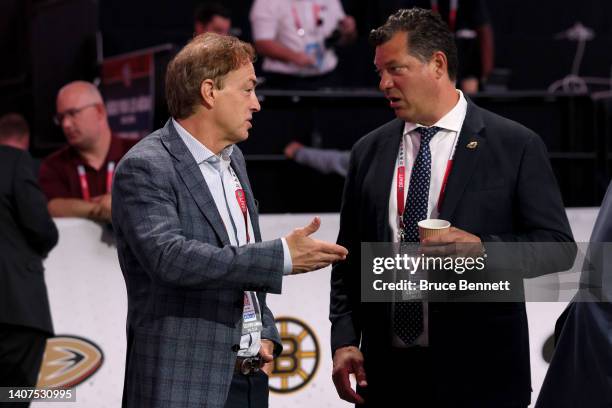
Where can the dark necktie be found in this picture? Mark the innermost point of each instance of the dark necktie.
(408, 316)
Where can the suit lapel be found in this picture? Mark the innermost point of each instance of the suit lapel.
(240, 170)
(465, 161)
(190, 173)
(385, 166)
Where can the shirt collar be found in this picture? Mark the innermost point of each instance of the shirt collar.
(452, 121)
(200, 152)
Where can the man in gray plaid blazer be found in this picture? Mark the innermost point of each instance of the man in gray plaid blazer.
(189, 243)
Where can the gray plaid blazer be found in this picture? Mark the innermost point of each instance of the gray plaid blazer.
(185, 282)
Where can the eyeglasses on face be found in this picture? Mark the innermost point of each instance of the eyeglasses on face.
(58, 118)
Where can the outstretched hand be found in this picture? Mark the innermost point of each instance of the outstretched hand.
(308, 254)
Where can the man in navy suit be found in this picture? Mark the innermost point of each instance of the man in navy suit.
(491, 178)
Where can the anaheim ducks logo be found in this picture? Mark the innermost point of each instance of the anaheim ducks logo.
(68, 361)
(298, 362)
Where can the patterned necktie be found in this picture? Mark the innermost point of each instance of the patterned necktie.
(408, 316)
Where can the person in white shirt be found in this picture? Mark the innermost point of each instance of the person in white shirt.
(296, 39)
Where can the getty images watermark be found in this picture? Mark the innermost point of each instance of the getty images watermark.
(495, 272)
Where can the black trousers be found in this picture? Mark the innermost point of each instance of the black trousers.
(401, 379)
(404, 379)
(21, 353)
(248, 391)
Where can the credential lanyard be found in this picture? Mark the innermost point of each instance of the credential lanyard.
(251, 312)
(401, 179)
(110, 170)
(452, 14)
(241, 198)
(316, 13)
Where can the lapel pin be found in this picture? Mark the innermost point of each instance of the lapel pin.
(472, 145)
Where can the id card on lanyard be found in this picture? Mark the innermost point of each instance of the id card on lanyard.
(251, 312)
(85, 193)
(401, 182)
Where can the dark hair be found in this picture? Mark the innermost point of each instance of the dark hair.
(207, 56)
(206, 11)
(427, 33)
(13, 125)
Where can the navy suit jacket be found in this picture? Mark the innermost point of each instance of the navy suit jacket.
(504, 191)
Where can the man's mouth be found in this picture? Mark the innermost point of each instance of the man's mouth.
(393, 101)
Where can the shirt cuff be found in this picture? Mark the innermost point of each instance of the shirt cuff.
(287, 264)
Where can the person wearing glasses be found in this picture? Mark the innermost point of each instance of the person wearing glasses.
(77, 178)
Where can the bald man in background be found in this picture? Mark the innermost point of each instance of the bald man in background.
(77, 178)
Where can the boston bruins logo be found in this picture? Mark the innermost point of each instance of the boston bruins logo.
(68, 361)
(299, 361)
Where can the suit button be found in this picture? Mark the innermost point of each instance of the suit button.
(235, 348)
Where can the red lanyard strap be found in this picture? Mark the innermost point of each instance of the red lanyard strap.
(401, 180)
(316, 13)
(241, 198)
(83, 182)
(110, 171)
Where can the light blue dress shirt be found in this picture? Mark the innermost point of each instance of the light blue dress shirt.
(221, 182)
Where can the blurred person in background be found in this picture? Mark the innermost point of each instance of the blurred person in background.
(325, 161)
(297, 39)
(27, 234)
(77, 178)
(469, 22)
(212, 18)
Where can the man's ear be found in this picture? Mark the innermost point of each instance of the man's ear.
(440, 64)
(207, 92)
(101, 110)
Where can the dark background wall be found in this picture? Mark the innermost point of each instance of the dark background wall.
(524, 32)
(47, 43)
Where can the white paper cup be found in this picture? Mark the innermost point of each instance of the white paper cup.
(432, 227)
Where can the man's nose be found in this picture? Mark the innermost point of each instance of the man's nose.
(66, 121)
(255, 106)
(385, 81)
